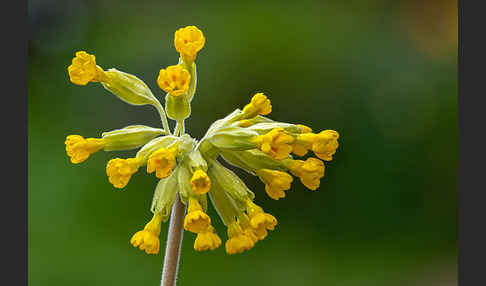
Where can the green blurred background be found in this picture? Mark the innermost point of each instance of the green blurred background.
(381, 73)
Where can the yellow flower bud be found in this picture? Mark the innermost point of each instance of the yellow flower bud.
(120, 171)
(83, 69)
(79, 149)
(196, 220)
(276, 182)
(162, 162)
(188, 41)
(148, 238)
(310, 171)
(207, 240)
(276, 143)
(200, 182)
(174, 80)
(259, 105)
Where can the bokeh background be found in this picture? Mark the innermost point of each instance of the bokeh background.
(381, 73)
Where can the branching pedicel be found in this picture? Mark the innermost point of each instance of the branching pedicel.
(189, 168)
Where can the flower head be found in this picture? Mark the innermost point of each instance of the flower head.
(196, 220)
(188, 41)
(276, 182)
(200, 182)
(276, 143)
(162, 162)
(148, 238)
(84, 69)
(189, 169)
(174, 80)
(79, 149)
(309, 171)
(259, 105)
(120, 171)
(207, 240)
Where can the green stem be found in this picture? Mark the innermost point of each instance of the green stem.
(163, 118)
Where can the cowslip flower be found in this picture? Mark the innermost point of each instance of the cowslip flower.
(190, 170)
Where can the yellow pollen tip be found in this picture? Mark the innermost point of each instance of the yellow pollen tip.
(162, 162)
(79, 148)
(200, 182)
(188, 41)
(120, 171)
(174, 80)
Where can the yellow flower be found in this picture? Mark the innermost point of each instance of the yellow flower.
(237, 240)
(298, 149)
(148, 238)
(259, 220)
(259, 105)
(79, 149)
(276, 182)
(84, 69)
(276, 143)
(207, 240)
(162, 162)
(174, 80)
(188, 41)
(200, 182)
(325, 144)
(120, 171)
(310, 172)
(196, 220)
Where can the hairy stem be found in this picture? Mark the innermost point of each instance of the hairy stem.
(173, 247)
(163, 118)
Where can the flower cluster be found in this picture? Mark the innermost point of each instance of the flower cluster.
(190, 168)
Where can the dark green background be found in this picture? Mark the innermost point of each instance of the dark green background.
(381, 73)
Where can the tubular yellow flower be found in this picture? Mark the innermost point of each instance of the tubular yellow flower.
(174, 80)
(207, 240)
(83, 69)
(276, 143)
(248, 230)
(148, 238)
(200, 182)
(237, 240)
(259, 220)
(79, 149)
(325, 144)
(259, 105)
(188, 41)
(298, 149)
(196, 220)
(310, 172)
(162, 162)
(276, 182)
(120, 171)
